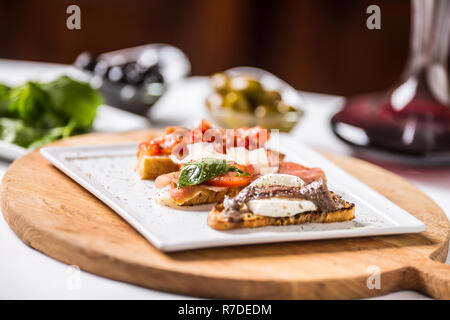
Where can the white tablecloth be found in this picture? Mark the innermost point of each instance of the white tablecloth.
(28, 274)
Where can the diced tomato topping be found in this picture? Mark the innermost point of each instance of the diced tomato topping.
(213, 135)
(176, 139)
(155, 148)
(195, 136)
(149, 149)
(162, 145)
(169, 130)
(249, 138)
(142, 149)
(204, 125)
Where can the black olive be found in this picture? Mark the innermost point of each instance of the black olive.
(154, 75)
(133, 73)
(85, 61)
(101, 68)
(115, 74)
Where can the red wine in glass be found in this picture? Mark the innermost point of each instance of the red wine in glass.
(413, 118)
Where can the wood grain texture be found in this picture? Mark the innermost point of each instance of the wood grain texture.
(55, 215)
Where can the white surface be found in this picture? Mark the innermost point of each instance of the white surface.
(107, 172)
(26, 273)
(9, 151)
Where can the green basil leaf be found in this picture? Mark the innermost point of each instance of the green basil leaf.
(73, 100)
(196, 172)
(239, 171)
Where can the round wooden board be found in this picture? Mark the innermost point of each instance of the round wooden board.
(55, 215)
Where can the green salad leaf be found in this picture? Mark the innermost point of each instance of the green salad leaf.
(30, 103)
(36, 113)
(4, 100)
(17, 132)
(196, 172)
(74, 100)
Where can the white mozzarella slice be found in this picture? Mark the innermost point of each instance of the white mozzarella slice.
(279, 179)
(280, 207)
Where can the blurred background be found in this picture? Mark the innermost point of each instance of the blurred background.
(319, 46)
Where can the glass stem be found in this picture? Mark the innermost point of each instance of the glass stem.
(430, 31)
(430, 34)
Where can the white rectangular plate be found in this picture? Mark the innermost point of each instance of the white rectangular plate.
(107, 171)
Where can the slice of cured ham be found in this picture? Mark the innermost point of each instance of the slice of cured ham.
(306, 174)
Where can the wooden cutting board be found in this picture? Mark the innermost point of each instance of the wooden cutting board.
(55, 215)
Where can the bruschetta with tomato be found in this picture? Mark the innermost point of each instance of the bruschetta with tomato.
(160, 155)
(153, 156)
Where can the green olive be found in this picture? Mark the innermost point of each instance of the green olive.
(214, 101)
(268, 98)
(284, 108)
(245, 85)
(245, 94)
(236, 101)
(263, 110)
(273, 95)
(219, 82)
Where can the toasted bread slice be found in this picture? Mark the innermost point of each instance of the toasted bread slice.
(201, 196)
(249, 220)
(150, 167)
